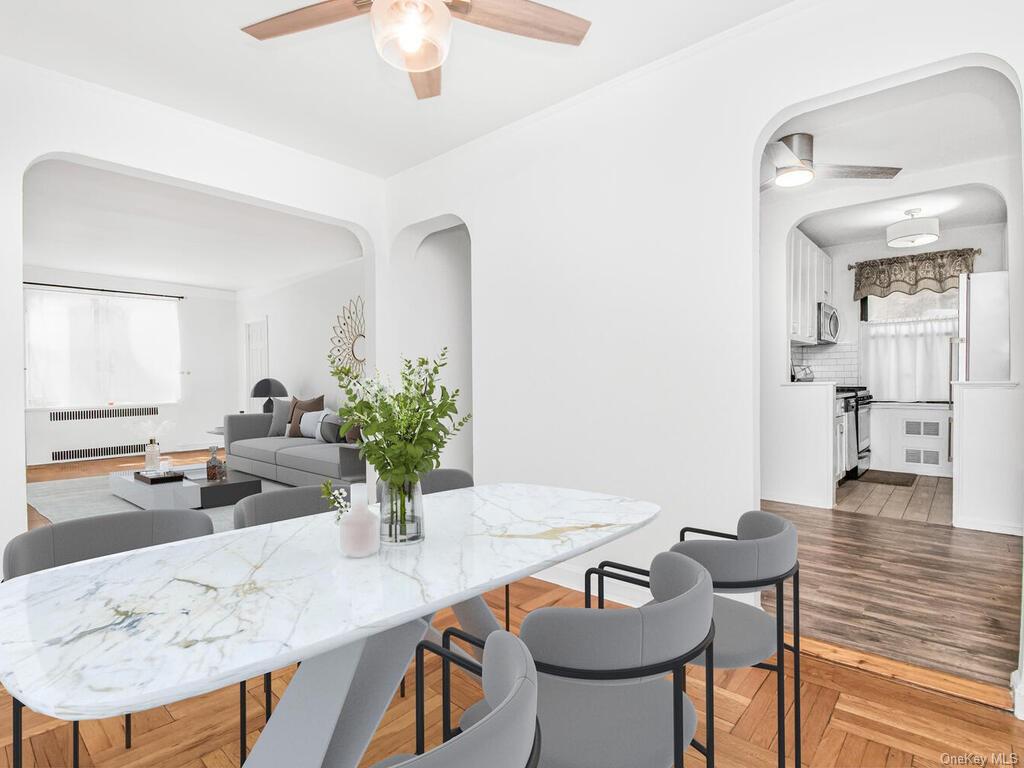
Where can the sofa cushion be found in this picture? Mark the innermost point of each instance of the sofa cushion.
(329, 459)
(330, 428)
(300, 407)
(279, 422)
(266, 448)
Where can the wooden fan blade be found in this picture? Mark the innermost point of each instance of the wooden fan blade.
(525, 18)
(427, 85)
(830, 171)
(310, 17)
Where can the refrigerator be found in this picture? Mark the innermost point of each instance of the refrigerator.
(984, 345)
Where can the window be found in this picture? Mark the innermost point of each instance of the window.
(924, 305)
(88, 348)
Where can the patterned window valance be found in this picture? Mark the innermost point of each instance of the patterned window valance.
(936, 271)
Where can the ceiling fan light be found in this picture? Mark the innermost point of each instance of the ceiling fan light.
(912, 232)
(794, 176)
(412, 35)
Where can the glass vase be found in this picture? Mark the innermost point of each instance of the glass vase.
(401, 514)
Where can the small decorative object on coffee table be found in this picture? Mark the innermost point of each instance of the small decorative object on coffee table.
(357, 525)
(215, 469)
(402, 434)
(152, 455)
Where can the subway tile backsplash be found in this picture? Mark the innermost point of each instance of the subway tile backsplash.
(830, 362)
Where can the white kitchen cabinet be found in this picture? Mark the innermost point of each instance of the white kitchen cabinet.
(810, 282)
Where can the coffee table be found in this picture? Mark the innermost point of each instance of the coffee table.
(193, 492)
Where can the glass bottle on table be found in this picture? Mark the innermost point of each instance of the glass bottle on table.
(152, 455)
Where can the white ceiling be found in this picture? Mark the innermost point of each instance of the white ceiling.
(966, 206)
(961, 116)
(326, 91)
(90, 220)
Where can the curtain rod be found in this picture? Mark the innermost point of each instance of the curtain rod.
(103, 290)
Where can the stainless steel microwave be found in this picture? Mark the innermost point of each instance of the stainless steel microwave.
(828, 324)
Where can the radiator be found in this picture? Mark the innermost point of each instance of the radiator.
(75, 454)
(74, 434)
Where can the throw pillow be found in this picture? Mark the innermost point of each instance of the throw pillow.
(330, 428)
(300, 407)
(309, 424)
(279, 421)
(352, 436)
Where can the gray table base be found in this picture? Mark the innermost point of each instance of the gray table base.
(318, 725)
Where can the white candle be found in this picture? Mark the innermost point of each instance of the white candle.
(360, 528)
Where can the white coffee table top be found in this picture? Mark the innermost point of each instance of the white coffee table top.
(128, 632)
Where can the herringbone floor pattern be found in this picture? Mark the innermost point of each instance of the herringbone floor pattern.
(850, 718)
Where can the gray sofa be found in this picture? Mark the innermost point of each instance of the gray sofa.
(289, 460)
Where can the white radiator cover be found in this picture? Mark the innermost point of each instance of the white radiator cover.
(53, 435)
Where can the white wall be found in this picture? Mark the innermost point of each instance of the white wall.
(616, 292)
(54, 115)
(432, 301)
(206, 319)
(300, 321)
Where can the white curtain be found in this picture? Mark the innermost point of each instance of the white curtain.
(87, 349)
(907, 360)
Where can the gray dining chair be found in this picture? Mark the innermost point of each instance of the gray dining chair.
(762, 553)
(604, 700)
(263, 509)
(84, 539)
(508, 736)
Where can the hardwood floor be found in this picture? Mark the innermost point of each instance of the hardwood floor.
(934, 596)
(929, 500)
(850, 717)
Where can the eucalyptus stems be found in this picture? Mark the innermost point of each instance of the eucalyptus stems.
(402, 430)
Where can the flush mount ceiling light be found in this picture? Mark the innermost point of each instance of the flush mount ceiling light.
(412, 35)
(912, 231)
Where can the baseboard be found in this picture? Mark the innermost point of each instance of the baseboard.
(1017, 689)
(980, 524)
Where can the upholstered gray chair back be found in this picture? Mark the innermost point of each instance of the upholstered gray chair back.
(766, 548)
(89, 537)
(275, 506)
(676, 621)
(438, 480)
(504, 737)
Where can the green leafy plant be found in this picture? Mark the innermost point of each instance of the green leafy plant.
(338, 497)
(402, 429)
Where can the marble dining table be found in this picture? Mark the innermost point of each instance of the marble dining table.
(137, 630)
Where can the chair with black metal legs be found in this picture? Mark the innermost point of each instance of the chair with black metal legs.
(262, 509)
(76, 540)
(509, 737)
(605, 700)
(761, 554)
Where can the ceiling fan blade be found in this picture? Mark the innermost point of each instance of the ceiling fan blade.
(427, 85)
(310, 17)
(525, 18)
(831, 171)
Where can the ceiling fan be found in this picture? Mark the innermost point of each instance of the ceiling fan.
(793, 158)
(415, 35)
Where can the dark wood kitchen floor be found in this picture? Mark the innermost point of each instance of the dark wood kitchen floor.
(939, 597)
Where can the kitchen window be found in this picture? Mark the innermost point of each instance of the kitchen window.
(87, 348)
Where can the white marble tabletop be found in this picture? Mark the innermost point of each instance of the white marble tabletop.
(128, 632)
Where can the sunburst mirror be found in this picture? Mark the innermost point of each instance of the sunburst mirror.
(348, 344)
